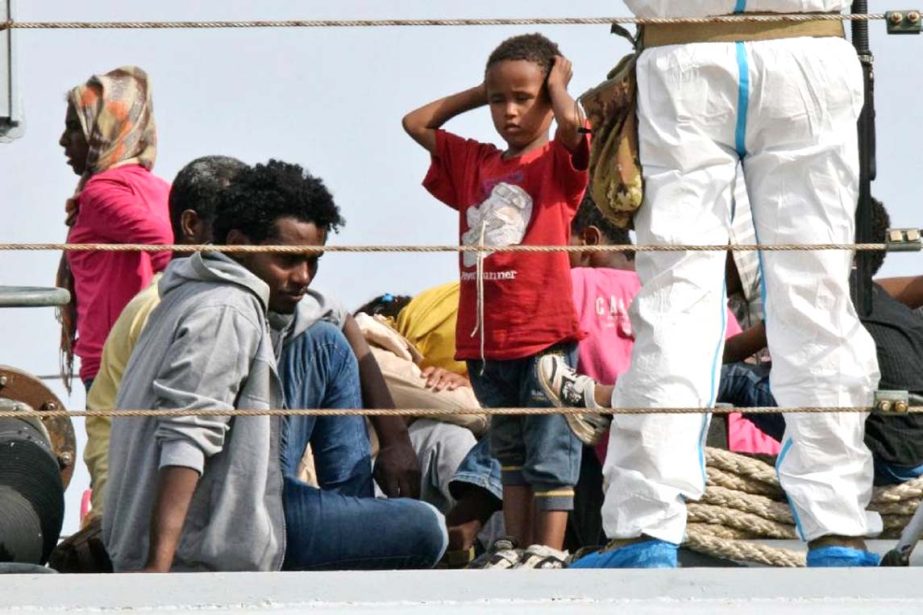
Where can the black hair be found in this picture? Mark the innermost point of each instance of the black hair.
(531, 47)
(197, 187)
(262, 194)
(881, 222)
(386, 305)
(589, 215)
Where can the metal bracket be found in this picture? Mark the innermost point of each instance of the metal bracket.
(904, 240)
(28, 415)
(892, 402)
(904, 22)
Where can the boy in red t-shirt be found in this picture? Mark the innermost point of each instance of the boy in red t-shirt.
(516, 306)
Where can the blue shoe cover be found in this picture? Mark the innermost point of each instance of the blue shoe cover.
(840, 557)
(648, 554)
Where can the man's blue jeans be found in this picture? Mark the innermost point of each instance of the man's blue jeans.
(341, 525)
(747, 386)
(480, 469)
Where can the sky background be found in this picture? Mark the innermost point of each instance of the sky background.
(330, 100)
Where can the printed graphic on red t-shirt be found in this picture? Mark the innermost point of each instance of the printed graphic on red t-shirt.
(526, 303)
(499, 221)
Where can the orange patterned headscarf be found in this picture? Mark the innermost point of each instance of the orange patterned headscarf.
(117, 117)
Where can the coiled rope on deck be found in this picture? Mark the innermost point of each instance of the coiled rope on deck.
(450, 22)
(743, 500)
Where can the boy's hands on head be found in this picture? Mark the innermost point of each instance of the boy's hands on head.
(566, 110)
(421, 124)
(561, 73)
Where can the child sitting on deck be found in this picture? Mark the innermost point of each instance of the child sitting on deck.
(516, 306)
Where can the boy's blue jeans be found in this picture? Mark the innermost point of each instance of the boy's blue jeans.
(539, 451)
(341, 525)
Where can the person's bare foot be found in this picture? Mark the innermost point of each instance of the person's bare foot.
(463, 536)
(466, 519)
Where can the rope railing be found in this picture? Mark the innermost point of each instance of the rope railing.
(451, 22)
(430, 412)
(276, 249)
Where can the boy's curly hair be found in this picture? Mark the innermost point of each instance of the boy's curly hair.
(589, 215)
(531, 47)
(264, 193)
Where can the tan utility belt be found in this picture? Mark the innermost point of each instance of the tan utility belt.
(659, 35)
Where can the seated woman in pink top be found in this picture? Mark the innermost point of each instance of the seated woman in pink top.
(110, 141)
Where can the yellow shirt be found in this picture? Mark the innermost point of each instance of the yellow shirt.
(428, 322)
(116, 352)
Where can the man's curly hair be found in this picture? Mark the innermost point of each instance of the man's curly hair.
(197, 187)
(531, 47)
(881, 222)
(264, 193)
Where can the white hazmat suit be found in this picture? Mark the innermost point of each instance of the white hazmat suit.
(787, 109)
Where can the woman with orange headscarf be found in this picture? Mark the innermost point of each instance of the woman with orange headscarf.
(110, 141)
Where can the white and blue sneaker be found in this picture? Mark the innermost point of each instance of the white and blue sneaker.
(565, 388)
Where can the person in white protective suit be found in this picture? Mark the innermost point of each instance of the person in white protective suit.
(787, 110)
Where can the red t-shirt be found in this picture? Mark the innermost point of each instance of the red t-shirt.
(531, 200)
(122, 205)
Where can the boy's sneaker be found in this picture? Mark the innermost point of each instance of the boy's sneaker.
(543, 557)
(564, 387)
(503, 554)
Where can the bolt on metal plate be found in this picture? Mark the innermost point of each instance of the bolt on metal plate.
(904, 22)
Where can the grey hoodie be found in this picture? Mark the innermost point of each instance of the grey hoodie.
(206, 346)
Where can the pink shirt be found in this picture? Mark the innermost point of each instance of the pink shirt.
(122, 205)
(602, 297)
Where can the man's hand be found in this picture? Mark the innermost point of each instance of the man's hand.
(175, 487)
(397, 471)
(439, 379)
(561, 73)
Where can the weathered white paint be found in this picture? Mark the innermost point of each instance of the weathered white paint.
(702, 590)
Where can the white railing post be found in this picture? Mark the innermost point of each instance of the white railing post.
(11, 118)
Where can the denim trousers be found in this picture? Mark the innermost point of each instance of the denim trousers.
(480, 469)
(538, 451)
(747, 386)
(341, 526)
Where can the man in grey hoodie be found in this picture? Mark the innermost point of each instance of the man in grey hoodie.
(218, 502)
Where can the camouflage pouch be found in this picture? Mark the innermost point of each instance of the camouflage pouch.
(616, 184)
